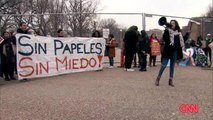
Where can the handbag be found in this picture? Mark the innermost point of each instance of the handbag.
(106, 52)
(180, 53)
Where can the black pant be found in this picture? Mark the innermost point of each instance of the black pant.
(7, 67)
(143, 61)
(15, 63)
(129, 57)
(152, 58)
(139, 58)
(135, 59)
(1, 71)
(208, 53)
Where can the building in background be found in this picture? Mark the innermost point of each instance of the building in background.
(199, 26)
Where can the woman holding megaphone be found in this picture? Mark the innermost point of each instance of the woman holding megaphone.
(173, 48)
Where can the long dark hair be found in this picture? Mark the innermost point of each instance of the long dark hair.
(5, 33)
(177, 27)
(144, 34)
(99, 34)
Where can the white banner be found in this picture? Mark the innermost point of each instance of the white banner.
(39, 56)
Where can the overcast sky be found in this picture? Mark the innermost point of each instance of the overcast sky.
(183, 8)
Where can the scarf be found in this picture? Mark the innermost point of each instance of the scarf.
(172, 35)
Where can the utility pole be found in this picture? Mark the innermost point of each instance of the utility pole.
(144, 21)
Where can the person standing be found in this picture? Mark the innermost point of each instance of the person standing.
(111, 45)
(144, 49)
(23, 29)
(153, 40)
(7, 55)
(96, 34)
(187, 40)
(208, 50)
(1, 70)
(130, 40)
(60, 33)
(172, 50)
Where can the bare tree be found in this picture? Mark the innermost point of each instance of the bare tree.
(110, 24)
(209, 12)
(40, 22)
(81, 15)
(57, 20)
(6, 7)
(115, 29)
(50, 15)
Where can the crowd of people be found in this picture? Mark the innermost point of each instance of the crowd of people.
(170, 46)
(8, 52)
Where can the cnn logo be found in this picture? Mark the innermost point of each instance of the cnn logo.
(188, 108)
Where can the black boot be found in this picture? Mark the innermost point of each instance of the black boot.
(157, 81)
(7, 79)
(12, 78)
(171, 83)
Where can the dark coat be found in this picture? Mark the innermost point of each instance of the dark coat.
(168, 49)
(130, 40)
(111, 47)
(7, 50)
(144, 44)
(23, 32)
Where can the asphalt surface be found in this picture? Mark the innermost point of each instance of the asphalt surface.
(111, 94)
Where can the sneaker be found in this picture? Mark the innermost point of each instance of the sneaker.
(111, 67)
(130, 70)
(143, 70)
(24, 80)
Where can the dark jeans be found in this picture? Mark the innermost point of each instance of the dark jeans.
(152, 58)
(15, 65)
(111, 61)
(129, 58)
(143, 62)
(135, 59)
(172, 64)
(139, 58)
(7, 67)
(208, 53)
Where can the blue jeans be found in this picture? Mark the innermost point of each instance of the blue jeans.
(172, 64)
(111, 61)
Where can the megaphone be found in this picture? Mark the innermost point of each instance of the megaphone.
(163, 21)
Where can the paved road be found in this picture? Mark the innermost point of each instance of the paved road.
(112, 94)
